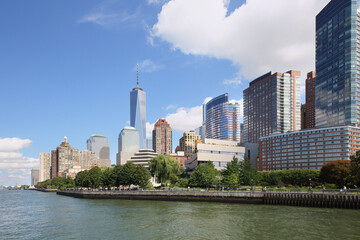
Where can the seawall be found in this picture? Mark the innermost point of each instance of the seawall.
(320, 200)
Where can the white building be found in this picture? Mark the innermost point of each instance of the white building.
(45, 166)
(128, 144)
(219, 152)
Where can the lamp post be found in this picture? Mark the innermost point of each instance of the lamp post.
(252, 187)
(310, 190)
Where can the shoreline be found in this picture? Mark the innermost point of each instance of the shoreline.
(320, 200)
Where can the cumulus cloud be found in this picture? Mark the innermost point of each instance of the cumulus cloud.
(149, 129)
(13, 163)
(148, 66)
(258, 36)
(169, 107)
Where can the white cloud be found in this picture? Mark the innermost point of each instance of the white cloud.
(13, 162)
(169, 107)
(149, 129)
(156, 1)
(234, 81)
(13, 144)
(258, 36)
(109, 13)
(148, 66)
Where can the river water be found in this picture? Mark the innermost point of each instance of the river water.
(39, 215)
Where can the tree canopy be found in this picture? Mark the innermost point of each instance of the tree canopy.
(163, 168)
(204, 175)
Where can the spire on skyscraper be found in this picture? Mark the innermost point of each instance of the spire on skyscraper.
(137, 75)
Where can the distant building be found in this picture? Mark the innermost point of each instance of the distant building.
(34, 176)
(99, 144)
(308, 109)
(219, 152)
(149, 143)
(180, 157)
(45, 166)
(66, 157)
(143, 157)
(337, 64)
(162, 137)
(307, 149)
(128, 144)
(188, 142)
(138, 112)
(222, 119)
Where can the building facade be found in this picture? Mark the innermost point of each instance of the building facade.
(337, 63)
(308, 120)
(138, 113)
(307, 149)
(219, 152)
(162, 137)
(128, 144)
(180, 157)
(34, 177)
(99, 144)
(143, 157)
(187, 142)
(272, 104)
(45, 166)
(222, 119)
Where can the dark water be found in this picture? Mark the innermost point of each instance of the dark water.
(38, 215)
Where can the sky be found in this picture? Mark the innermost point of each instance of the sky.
(67, 67)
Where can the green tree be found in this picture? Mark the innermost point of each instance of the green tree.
(336, 172)
(127, 174)
(205, 175)
(107, 177)
(141, 176)
(231, 173)
(355, 168)
(162, 167)
(95, 177)
(248, 174)
(116, 175)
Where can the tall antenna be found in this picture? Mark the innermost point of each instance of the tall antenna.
(137, 75)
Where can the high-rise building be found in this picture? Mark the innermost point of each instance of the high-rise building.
(272, 104)
(309, 118)
(34, 176)
(128, 144)
(187, 142)
(45, 166)
(99, 144)
(138, 112)
(337, 63)
(222, 119)
(162, 137)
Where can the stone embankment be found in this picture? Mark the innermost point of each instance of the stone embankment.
(320, 200)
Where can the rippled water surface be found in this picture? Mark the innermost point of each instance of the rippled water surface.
(38, 215)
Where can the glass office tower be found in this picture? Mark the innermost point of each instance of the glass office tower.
(222, 119)
(138, 113)
(337, 66)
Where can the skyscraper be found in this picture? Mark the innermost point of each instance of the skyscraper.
(222, 119)
(309, 106)
(128, 145)
(188, 141)
(337, 64)
(272, 104)
(45, 166)
(138, 112)
(99, 144)
(162, 137)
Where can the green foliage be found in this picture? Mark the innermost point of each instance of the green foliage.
(248, 174)
(95, 175)
(336, 172)
(57, 183)
(163, 167)
(204, 175)
(142, 177)
(183, 182)
(294, 177)
(107, 177)
(355, 168)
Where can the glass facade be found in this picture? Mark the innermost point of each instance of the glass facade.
(222, 119)
(138, 114)
(337, 66)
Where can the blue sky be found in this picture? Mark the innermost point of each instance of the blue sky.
(67, 67)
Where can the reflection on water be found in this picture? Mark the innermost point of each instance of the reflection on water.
(38, 215)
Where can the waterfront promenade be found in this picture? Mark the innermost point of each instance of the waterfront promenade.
(324, 200)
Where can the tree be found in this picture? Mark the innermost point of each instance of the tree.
(336, 172)
(95, 177)
(248, 174)
(162, 167)
(107, 177)
(231, 173)
(355, 168)
(141, 176)
(204, 175)
(116, 175)
(127, 174)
